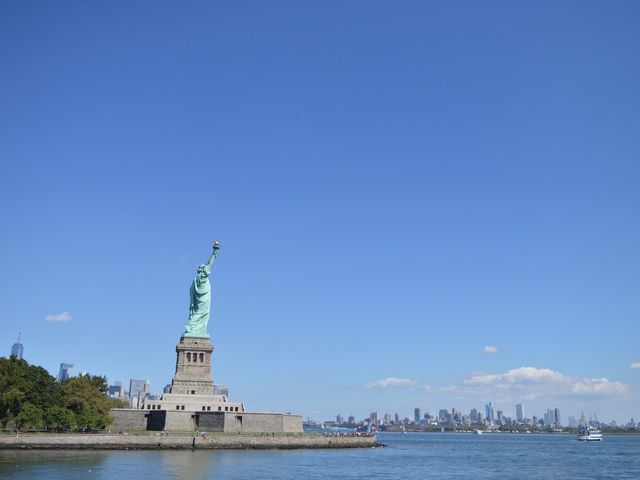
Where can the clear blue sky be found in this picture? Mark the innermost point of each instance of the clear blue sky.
(396, 186)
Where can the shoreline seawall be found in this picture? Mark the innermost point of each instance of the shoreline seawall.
(64, 441)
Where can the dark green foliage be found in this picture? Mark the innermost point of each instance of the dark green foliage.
(30, 417)
(60, 419)
(44, 391)
(83, 397)
(99, 382)
(13, 387)
(119, 403)
(30, 398)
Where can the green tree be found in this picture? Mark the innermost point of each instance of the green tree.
(28, 391)
(60, 418)
(90, 420)
(99, 382)
(13, 386)
(87, 402)
(118, 403)
(30, 417)
(43, 390)
(21, 383)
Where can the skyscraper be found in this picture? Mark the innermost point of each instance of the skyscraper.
(473, 415)
(136, 387)
(488, 408)
(116, 390)
(17, 349)
(416, 414)
(550, 417)
(63, 373)
(456, 415)
(520, 413)
(556, 412)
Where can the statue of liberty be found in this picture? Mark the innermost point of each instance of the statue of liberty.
(200, 293)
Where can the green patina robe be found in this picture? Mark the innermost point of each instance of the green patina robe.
(200, 306)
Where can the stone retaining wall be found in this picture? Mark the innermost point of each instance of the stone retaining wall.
(168, 442)
(127, 419)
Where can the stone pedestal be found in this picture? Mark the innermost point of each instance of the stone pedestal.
(192, 406)
(193, 367)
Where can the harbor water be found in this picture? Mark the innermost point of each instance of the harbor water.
(407, 456)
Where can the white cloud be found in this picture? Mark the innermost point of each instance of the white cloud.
(489, 349)
(452, 389)
(391, 382)
(531, 383)
(530, 397)
(635, 365)
(481, 379)
(58, 317)
(522, 375)
(599, 386)
(532, 375)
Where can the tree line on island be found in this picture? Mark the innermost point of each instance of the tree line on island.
(32, 399)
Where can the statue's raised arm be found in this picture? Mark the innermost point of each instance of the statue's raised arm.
(200, 296)
(214, 254)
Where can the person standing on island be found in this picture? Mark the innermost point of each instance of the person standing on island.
(200, 294)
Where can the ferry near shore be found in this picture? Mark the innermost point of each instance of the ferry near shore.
(589, 434)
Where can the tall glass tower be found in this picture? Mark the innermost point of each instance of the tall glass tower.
(63, 373)
(488, 408)
(17, 349)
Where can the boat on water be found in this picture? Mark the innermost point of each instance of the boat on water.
(589, 434)
(477, 432)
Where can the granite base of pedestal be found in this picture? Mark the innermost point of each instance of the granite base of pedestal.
(126, 419)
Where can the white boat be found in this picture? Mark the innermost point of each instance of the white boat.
(589, 434)
(477, 432)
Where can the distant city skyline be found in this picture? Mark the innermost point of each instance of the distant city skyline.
(550, 419)
(139, 389)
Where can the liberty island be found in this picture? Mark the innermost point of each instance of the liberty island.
(193, 406)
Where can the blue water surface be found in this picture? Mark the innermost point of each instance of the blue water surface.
(410, 456)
